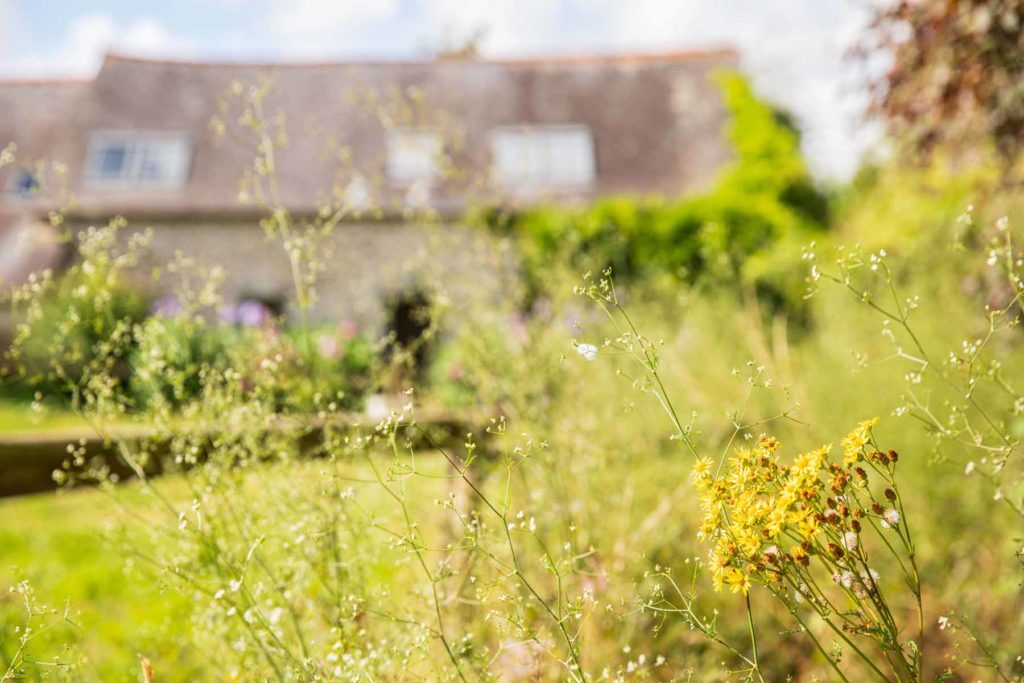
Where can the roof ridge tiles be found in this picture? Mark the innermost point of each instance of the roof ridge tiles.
(43, 81)
(556, 59)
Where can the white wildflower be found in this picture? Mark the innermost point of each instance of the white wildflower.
(845, 579)
(869, 577)
(588, 351)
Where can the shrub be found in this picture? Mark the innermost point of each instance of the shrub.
(78, 329)
(312, 366)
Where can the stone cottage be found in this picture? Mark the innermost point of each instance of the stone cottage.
(167, 145)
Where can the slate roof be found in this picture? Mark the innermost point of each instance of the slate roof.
(656, 122)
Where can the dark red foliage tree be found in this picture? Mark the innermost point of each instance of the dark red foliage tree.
(956, 76)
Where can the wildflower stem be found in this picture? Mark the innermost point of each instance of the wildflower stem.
(992, 662)
(911, 556)
(577, 672)
(753, 640)
(417, 550)
(649, 361)
(838, 631)
(810, 634)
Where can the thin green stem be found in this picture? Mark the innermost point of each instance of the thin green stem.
(753, 639)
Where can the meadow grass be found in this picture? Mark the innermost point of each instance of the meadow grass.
(70, 547)
(602, 477)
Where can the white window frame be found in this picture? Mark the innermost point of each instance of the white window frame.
(139, 146)
(527, 157)
(413, 155)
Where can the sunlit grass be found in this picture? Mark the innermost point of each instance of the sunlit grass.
(57, 542)
(19, 417)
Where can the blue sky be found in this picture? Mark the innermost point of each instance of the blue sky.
(793, 49)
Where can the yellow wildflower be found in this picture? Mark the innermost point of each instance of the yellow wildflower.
(808, 527)
(701, 467)
(737, 581)
(761, 509)
(855, 441)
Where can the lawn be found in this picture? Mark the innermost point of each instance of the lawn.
(18, 417)
(57, 542)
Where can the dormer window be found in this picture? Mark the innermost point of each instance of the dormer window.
(413, 155)
(543, 156)
(138, 159)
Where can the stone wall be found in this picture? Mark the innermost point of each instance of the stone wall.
(366, 265)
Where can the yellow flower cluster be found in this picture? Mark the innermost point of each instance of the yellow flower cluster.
(855, 441)
(765, 519)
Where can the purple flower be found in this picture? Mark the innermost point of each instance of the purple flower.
(253, 313)
(228, 315)
(166, 306)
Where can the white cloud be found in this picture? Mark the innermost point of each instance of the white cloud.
(313, 25)
(11, 29)
(325, 28)
(88, 37)
(93, 34)
(511, 26)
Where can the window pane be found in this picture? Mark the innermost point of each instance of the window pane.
(514, 160)
(412, 155)
(111, 160)
(571, 156)
(140, 159)
(560, 155)
(156, 161)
